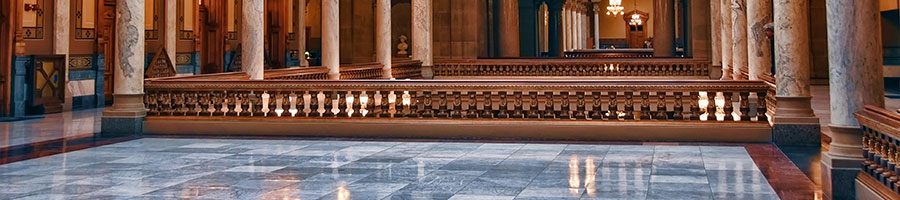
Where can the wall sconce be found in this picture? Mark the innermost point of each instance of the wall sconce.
(32, 7)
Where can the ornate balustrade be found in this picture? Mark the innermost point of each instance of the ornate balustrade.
(453, 102)
(562, 68)
(881, 149)
(610, 53)
(406, 69)
(769, 79)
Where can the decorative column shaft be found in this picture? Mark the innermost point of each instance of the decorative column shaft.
(759, 56)
(509, 28)
(422, 35)
(795, 122)
(596, 26)
(725, 12)
(738, 38)
(126, 115)
(383, 36)
(664, 28)
(856, 76)
(567, 29)
(331, 44)
(253, 38)
(171, 29)
(301, 33)
(716, 27)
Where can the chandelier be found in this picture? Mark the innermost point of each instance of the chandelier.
(615, 8)
(636, 20)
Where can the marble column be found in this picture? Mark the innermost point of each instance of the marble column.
(422, 35)
(596, 26)
(664, 28)
(171, 29)
(759, 56)
(61, 20)
(331, 35)
(509, 28)
(567, 29)
(715, 27)
(301, 33)
(725, 13)
(738, 38)
(253, 38)
(126, 115)
(795, 122)
(856, 76)
(578, 29)
(383, 36)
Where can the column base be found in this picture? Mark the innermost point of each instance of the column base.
(334, 76)
(715, 72)
(427, 72)
(797, 134)
(839, 176)
(125, 117)
(795, 124)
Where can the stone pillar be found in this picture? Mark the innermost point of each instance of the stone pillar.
(253, 38)
(422, 35)
(61, 22)
(596, 26)
(567, 29)
(331, 35)
(509, 28)
(795, 122)
(126, 115)
(738, 38)
(716, 27)
(664, 28)
(856, 77)
(383, 36)
(725, 12)
(759, 56)
(554, 28)
(171, 29)
(301, 33)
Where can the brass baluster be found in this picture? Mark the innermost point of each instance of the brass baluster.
(456, 108)
(564, 111)
(762, 106)
(645, 106)
(548, 106)
(613, 107)
(678, 113)
(427, 105)
(711, 108)
(533, 110)
(580, 106)
(518, 106)
(596, 106)
(729, 106)
(442, 105)
(502, 106)
(745, 106)
(329, 104)
(629, 106)
(472, 105)
(661, 107)
(695, 106)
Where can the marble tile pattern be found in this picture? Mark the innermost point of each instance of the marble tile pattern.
(170, 168)
(83, 123)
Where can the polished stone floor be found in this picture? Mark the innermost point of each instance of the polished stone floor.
(68, 125)
(172, 168)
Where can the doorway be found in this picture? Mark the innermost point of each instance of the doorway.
(48, 83)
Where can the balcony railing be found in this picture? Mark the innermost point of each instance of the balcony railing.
(610, 53)
(881, 147)
(670, 68)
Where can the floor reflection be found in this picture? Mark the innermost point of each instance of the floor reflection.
(169, 168)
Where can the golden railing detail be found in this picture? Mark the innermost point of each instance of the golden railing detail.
(610, 53)
(881, 146)
(469, 100)
(407, 69)
(620, 68)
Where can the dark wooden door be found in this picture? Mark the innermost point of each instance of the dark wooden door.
(106, 45)
(213, 16)
(6, 48)
(276, 36)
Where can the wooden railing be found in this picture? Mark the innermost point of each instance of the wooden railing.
(610, 53)
(726, 101)
(406, 69)
(769, 79)
(881, 147)
(563, 68)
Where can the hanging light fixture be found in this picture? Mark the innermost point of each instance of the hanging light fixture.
(615, 8)
(636, 17)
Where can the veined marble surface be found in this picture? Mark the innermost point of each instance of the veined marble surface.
(159, 168)
(738, 38)
(130, 42)
(792, 47)
(727, 45)
(759, 56)
(715, 26)
(252, 38)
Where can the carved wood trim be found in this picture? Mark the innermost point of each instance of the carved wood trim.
(160, 65)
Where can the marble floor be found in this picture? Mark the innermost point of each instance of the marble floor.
(66, 125)
(173, 168)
